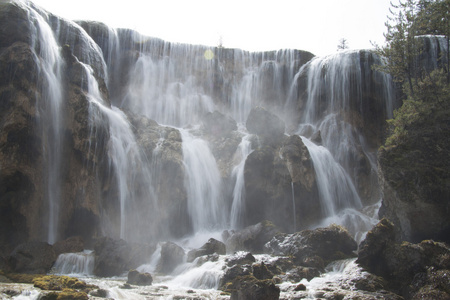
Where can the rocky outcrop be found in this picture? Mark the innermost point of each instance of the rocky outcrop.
(70, 245)
(249, 287)
(314, 248)
(210, 247)
(412, 270)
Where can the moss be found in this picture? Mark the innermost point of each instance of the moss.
(66, 294)
(58, 283)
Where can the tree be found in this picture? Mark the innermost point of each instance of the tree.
(343, 44)
(407, 22)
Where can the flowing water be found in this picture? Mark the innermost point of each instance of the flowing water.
(175, 85)
(49, 60)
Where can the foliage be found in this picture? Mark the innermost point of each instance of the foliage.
(426, 91)
(343, 44)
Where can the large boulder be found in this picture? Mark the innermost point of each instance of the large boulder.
(115, 257)
(138, 278)
(216, 123)
(210, 247)
(69, 245)
(314, 248)
(248, 287)
(172, 255)
(409, 269)
(32, 257)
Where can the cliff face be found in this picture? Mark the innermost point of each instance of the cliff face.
(247, 137)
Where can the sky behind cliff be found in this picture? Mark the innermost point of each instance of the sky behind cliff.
(313, 25)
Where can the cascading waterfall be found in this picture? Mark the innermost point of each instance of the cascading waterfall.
(124, 154)
(206, 205)
(48, 58)
(80, 264)
(238, 204)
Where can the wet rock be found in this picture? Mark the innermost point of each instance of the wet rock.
(252, 238)
(261, 272)
(32, 258)
(300, 287)
(231, 274)
(268, 126)
(298, 273)
(406, 267)
(70, 245)
(115, 257)
(240, 258)
(248, 287)
(138, 278)
(171, 256)
(211, 247)
(314, 247)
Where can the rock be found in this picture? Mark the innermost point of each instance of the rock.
(231, 274)
(252, 238)
(298, 273)
(314, 247)
(171, 256)
(211, 247)
(248, 287)
(215, 123)
(114, 257)
(406, 267)
(69, 245)
(33, 258)
(137, 278)
(240, 258)
(300, 287)
(269, 127)
(261, 272)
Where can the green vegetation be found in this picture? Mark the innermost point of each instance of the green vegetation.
(426, 90)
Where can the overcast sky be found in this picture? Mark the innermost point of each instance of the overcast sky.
(312, 25)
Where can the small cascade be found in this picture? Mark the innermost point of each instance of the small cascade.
(335, 186)
(238, 204)
(50, 62)
(78, 264)
(206, 205)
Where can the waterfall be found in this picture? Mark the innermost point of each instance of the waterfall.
(49, 60)
(238, 204)
(203, 184)
(124, 154)
(80, 264)
(335, 186)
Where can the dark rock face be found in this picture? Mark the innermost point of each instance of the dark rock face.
(33, 258)
(137, 278)
(171, 256)
(314, 248)
(211, 247)
(114, 257)
(411, 270)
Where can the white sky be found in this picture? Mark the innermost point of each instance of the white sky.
(312, 25)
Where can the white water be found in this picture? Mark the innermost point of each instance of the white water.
(124, 154)
(76, 264)
(50, 112)
(335, 186)
(238, 204)
(203, 184)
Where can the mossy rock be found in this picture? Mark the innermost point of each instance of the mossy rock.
(66, 294)
(22, 278)
(59, 283)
